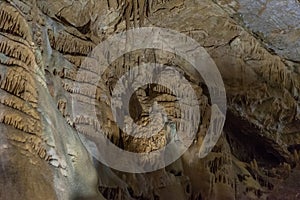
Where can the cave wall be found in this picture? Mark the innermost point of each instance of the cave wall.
(42, 46)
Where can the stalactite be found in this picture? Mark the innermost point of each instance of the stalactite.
(136, 9)
(84, 89)
(18, 104)
(69, 44)
(296, 156)
(19, 121)
(142, 10)
(19, 85)
(12, 22)
(128, 12)
(135, 12)
(17, 51)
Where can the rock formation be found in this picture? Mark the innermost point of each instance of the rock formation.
(43, 43)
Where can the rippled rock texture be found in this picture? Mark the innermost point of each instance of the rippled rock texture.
(255, 45)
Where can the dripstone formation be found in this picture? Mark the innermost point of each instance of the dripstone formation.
(255, 45)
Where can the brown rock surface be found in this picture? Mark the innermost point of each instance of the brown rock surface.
(43, 43)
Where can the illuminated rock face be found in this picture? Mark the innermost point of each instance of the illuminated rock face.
(42, 46)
